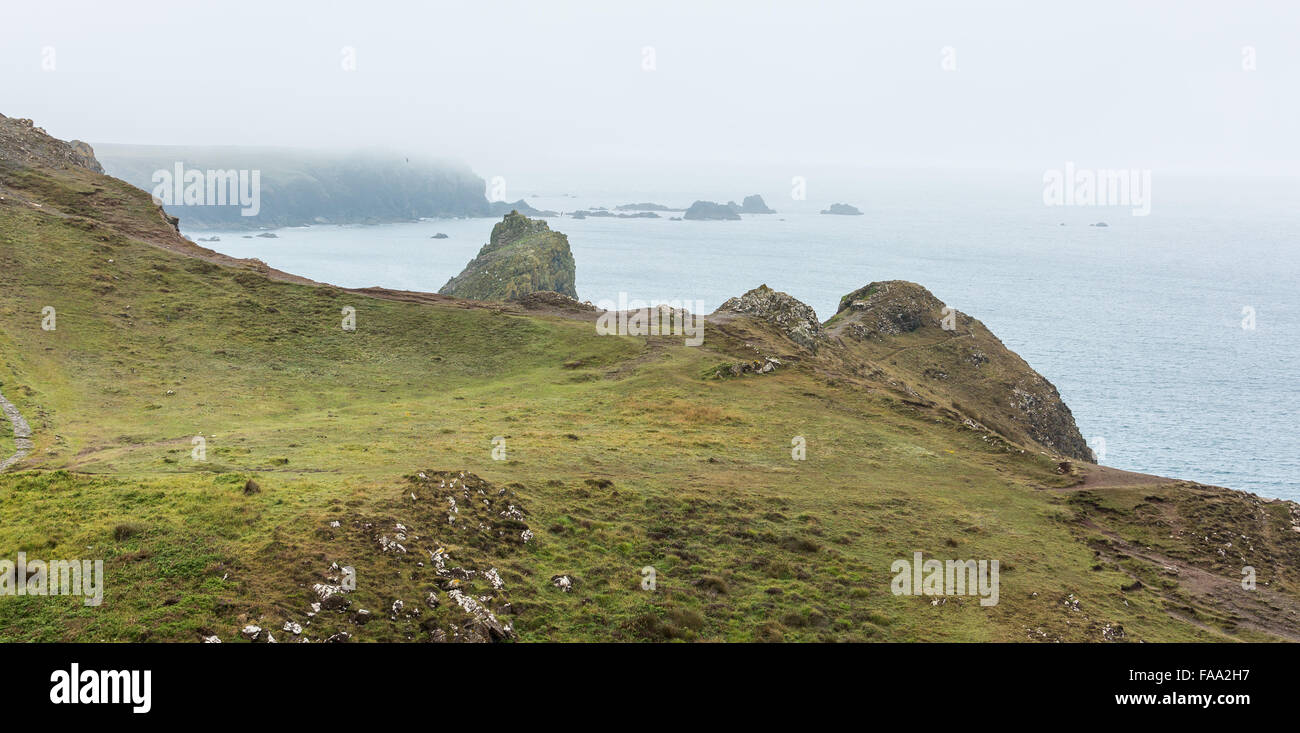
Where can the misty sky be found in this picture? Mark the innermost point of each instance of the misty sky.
(560, 86)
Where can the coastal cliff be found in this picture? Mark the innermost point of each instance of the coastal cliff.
(233, 440)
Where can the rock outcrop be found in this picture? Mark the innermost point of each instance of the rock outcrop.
(21, 431)
(898, 336)
(24, 144)
(709, 210)
(842, 210)
(755, 205)
(794, 319)
(953, 360)
(522, 256)
(435, 560)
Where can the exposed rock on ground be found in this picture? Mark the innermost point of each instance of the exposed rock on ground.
(26, 144)
(756, 366)
(796, 321)
(434, 569)
(550, 300)
(22, 433)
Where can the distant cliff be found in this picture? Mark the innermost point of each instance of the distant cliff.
(522, 256)
(301, 187)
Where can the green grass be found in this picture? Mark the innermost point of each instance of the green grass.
(624, 453)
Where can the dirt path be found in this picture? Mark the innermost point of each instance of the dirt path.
(1097, 476)
(22, 433)
(1261, 610)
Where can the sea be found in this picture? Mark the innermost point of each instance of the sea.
(1172, 336)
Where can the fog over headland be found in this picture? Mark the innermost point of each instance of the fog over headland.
(676, 88)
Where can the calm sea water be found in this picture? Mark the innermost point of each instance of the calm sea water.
(1138, 324)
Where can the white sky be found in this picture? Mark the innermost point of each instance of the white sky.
(559, 86)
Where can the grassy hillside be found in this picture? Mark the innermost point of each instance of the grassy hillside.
(620, 453)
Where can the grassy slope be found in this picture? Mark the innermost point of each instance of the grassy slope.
(748, 544)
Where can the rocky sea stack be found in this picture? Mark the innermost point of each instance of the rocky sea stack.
(842, 210)
(755, 205)
(709, 210)
(522, 256)
(796, 320)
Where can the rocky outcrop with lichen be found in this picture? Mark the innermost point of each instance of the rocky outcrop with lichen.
(522, 256)
(435, 560)
(956, 362)
(24, 144)
(796, 321)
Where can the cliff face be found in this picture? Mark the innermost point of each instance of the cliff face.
(522, 256)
